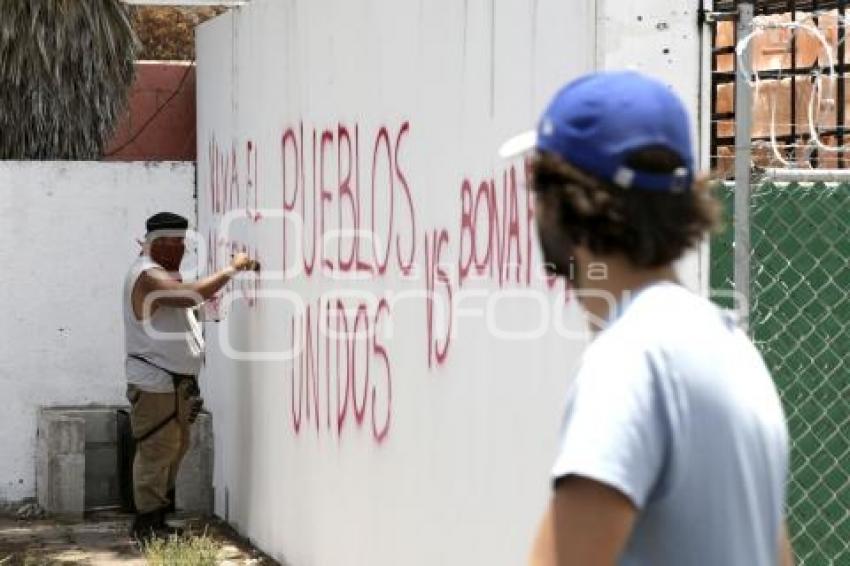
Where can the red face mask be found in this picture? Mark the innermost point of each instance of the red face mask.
(168, 252)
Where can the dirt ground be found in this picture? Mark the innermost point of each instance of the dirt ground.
(102, 539)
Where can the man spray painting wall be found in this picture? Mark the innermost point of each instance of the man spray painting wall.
(164, 353)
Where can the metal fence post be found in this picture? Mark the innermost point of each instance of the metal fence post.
(786, 258)
(743, 130)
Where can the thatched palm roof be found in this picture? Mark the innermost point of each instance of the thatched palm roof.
(65, 70)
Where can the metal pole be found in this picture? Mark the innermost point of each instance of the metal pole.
(743, 131)
(792, 7)
(842, 56)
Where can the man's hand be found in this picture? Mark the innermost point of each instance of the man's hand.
(243, 262)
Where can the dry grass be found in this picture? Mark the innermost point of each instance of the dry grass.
(168, 33)
(187, 550)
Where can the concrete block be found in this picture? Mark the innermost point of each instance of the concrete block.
(101, 481)
(194, 480)
(100, 426)
(100, 422)
(67, 481)
(77, 462)
(99, 438)
(64, 434)
(61, 463)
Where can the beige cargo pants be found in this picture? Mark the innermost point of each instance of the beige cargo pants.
(158, 456)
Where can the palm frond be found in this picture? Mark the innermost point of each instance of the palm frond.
(65, 70)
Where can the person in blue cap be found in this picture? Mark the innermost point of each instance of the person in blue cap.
(674, 447)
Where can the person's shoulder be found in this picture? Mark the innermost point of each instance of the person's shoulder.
(150, 274)
(670, 297)
(637, 327)
(617, 351)
(654, 322)
(667, 309)
(147, 262)
(143, 262)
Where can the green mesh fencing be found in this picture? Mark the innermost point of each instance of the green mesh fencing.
(799, 319)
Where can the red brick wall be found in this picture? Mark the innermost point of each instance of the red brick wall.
(159, 124)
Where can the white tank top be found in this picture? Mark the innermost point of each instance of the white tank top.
(180, 351)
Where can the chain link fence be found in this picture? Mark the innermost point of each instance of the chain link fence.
(799, 317)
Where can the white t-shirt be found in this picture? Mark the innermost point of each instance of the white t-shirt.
(674, 408)
(171, 339)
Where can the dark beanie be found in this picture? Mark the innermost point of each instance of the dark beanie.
(166, 221)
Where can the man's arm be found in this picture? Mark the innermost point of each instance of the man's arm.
(173, 293)
(786, 553)
(587, 524)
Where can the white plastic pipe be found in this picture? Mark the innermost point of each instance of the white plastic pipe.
(806, 175)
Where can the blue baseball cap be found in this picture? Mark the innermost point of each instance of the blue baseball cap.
(598, 121)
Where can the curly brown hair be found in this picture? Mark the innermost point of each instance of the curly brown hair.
(649, 228)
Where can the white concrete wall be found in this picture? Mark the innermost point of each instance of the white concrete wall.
(439, 455)
(662, 38)
(68, 231)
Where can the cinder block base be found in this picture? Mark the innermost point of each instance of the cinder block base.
(77, 465)
(101, 489)
(61, 463)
